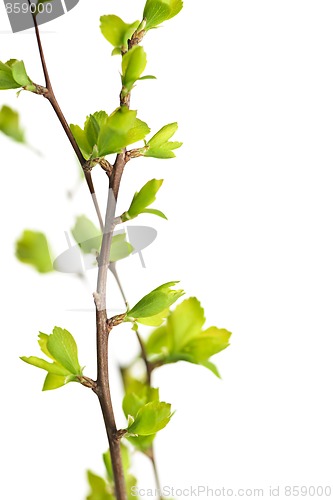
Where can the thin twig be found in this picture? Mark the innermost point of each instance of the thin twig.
(145, 358)
(113, 269)
(50, 96)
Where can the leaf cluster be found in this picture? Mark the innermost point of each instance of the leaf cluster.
(182, 338)
(105, 134)
(61, 349)
(145, 413)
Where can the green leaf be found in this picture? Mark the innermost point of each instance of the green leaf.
(210, 366)
(53, 368)
(158, 11)
(63, 348)
(32, 248)
(153, 211)
(133, 401)
(159, 343)
(10, 124)
(159, 145)
(210, 342)
(43, 340)
(147, 77)
(103, 135)
(142, 199)
(156, 320)
(116, 52)
(116, 31)
(185, 323)
(13, 75)
(116, 132)
(120, 248)
(7, 80)
(86, 235)
(133, 65)
(52, 381)
(182, 338)
(20, 74)
(82, 140)
(155, 302)
(138, 132)
(99, 488)
(151, 418)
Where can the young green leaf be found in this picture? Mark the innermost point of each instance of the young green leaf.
(32, 248)
(7, 80)
(182, 338)
(159, 145)
(103, 135)
(10, 124)
(54, 368)
(142, 199)
(42, 341)
(156, 320)
(13, 75)
(52, 381)
(138, 131)
(153, 211)
(120, 130)
(117, 32)
(150, 419)
(212, 341)
(133, 65)
(185, 322)
(89, 239)
(20, 74)
(134, 400)
(120, 247)
(99, 488)
(86, 235)
(159, 344)
(155, 302)
(88, 137)
(158, 11)
(82, 140)
(63, 348)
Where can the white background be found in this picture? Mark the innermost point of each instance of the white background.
(250, 207)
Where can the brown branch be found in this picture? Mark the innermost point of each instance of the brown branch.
(103, 392)
(101, 387)
(103, 329)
